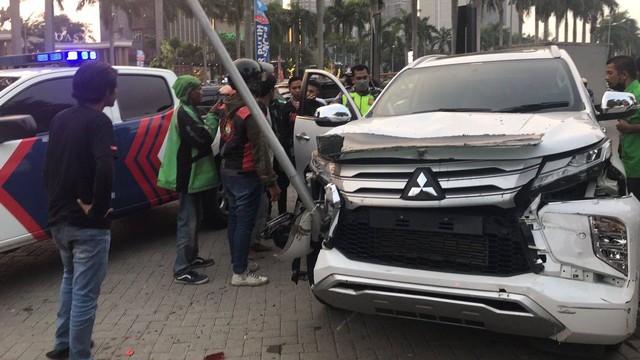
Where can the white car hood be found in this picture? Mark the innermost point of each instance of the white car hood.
(542, 134)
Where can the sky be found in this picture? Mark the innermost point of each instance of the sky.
(35, 8)
(90, 14)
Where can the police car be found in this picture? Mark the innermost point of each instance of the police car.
(140, 116)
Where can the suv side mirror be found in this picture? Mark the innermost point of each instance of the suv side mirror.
(617, 105)
(332, 115)
(15, 127)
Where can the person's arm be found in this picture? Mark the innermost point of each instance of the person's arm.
(192, 132)
(104, 151)
(624, 127)
(211, 122)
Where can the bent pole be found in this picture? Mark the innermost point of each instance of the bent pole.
(273, 142)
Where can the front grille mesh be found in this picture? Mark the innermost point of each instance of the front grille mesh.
(497, 249)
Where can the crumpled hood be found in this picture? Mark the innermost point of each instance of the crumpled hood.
(542, 134)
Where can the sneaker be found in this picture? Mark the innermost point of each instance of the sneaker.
(260, 247)
(61, 353)
(201, 263)
(253, 267)
(191, 278)
(248, 279)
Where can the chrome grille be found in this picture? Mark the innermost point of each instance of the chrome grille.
(496, 181)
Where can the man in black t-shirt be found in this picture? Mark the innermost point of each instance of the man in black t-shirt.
(78, 176)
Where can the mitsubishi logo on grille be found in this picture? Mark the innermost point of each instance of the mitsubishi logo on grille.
(423, 186)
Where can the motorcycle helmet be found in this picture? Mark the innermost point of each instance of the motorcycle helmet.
(251, 73)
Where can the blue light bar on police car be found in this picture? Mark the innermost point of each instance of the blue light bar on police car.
(66, 58)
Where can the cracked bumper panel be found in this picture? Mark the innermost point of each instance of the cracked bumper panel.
(593, 311)
(564, 236)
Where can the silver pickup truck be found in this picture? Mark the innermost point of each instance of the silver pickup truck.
(479, 190)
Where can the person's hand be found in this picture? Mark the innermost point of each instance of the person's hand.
(624, 127)
(86, 208)
(216, 107)
(274, 192)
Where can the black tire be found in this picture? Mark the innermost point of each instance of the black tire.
(215, 208)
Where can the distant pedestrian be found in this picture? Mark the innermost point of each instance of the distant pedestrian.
(621, 76)
(586, 85)
(189, 168)
(78, 175)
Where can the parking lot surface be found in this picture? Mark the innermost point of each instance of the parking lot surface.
(143, 314)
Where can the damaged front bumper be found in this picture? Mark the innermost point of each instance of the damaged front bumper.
(574, 296)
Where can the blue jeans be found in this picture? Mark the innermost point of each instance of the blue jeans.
(84, 253)
(244, 195)
(189, 218)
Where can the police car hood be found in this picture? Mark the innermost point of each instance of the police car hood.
(518, 135)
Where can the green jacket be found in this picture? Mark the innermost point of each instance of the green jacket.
(188, 165)
(631, 141)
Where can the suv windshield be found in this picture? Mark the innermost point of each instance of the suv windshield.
(539, 85)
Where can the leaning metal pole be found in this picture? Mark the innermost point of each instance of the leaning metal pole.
(277, 149)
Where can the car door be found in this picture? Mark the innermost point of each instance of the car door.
(23, 199)
(307, 125)
(143, 112)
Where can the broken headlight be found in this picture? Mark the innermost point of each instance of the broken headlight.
(325, 168)
(574, 169)
(609, 238)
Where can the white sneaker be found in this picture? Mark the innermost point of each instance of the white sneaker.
(253, 267)
(248, 279)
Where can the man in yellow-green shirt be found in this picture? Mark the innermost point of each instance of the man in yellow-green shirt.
(363, 93)
(621, 76)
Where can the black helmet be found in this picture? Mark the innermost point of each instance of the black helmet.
(266, 67)
(251, 73)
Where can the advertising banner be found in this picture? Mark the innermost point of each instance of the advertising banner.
(262, 32)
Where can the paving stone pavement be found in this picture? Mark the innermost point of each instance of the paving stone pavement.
(142, 310)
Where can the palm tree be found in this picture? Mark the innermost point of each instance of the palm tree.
(303, 25)
(578, 11)
(597, 12)
(108, 10)
(442, 40)
(425, 36)
(231, 11)
(320, 31)
(621, 32)
(561, 11)
(523, 8)
(414, 27)
(454, 26)
(391, 39)
(341, 16)
(16, 26)
(498, 6)
(360, 21)
(278, 20)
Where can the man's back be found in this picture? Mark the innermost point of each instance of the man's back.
(79, 138)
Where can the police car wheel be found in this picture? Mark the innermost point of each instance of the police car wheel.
(215, 208)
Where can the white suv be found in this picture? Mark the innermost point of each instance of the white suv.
(477, 191)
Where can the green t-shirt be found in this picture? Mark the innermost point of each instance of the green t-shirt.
(631, 141)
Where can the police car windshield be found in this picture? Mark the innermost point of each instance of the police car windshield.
(492, 86)
(5, 81)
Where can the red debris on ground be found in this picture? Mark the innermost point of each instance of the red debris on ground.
(216, 356)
